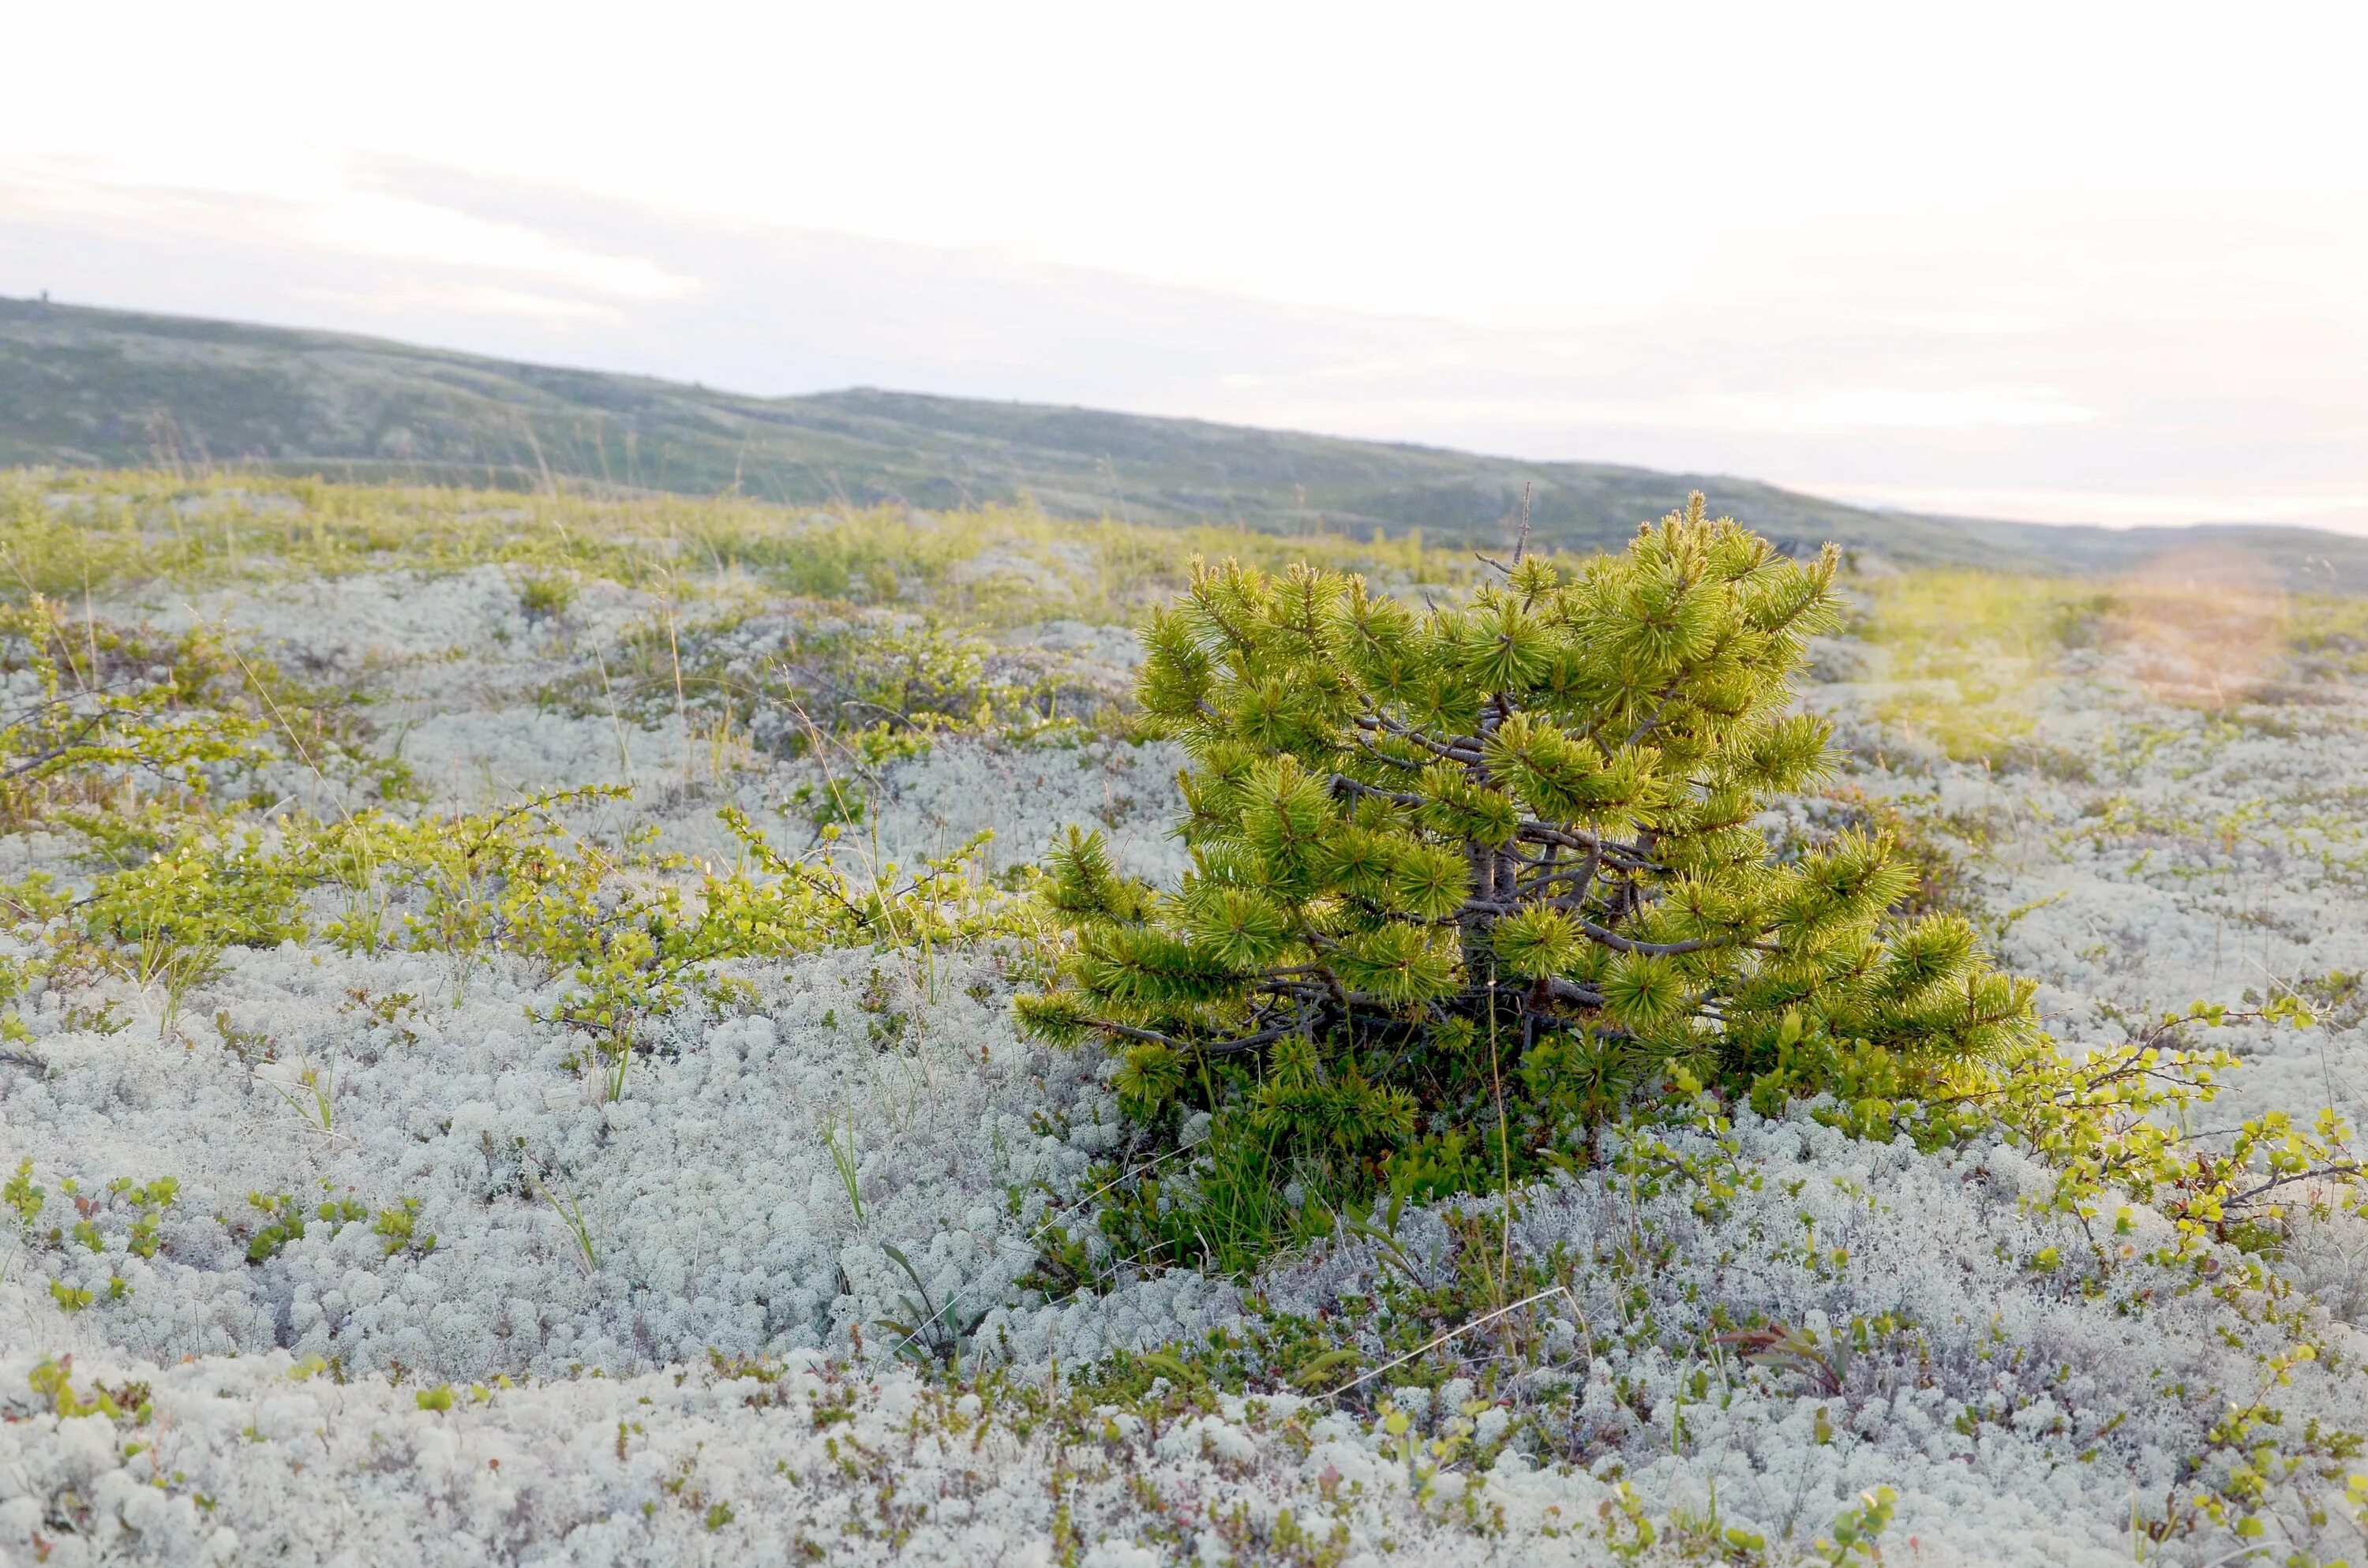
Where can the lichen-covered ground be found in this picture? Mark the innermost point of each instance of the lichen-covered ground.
(525, 1322)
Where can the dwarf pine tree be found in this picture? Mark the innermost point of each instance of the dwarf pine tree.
(1464, 881)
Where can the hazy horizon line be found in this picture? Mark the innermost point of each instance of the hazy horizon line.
(1880, 500)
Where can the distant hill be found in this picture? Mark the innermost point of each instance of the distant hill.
(84, 386)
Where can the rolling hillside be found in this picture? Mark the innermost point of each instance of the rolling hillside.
(82, 387)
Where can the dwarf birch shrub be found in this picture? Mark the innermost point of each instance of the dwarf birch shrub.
(637, 934)
(1466, 881)
(93, 716)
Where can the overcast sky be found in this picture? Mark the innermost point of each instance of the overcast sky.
(2065, 262)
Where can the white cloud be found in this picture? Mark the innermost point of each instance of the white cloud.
(397, 229)
(336, 213)
(1899, 408)
(2345, 513)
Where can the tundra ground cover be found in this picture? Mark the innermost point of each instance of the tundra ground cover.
(821, 1269)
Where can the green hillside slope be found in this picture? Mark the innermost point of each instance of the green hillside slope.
(83, 387)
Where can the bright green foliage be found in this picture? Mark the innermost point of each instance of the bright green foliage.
(1858, 1528)
(148, 1204)
(635, 954)
(96, 714)
(284, 1217)
(636, 934)
(2110, 1125)
(122, 733)
(22, 1196)
(398, 1228)
(619, 923)
(1505, 842)
(173, 916)
(908, 679)
(545, 595)
(52, 1384)
(132, 741)
(166, 918)
(285, 1222)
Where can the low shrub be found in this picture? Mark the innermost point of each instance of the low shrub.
(1467, 882)
(636, 934)
(95, 715)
